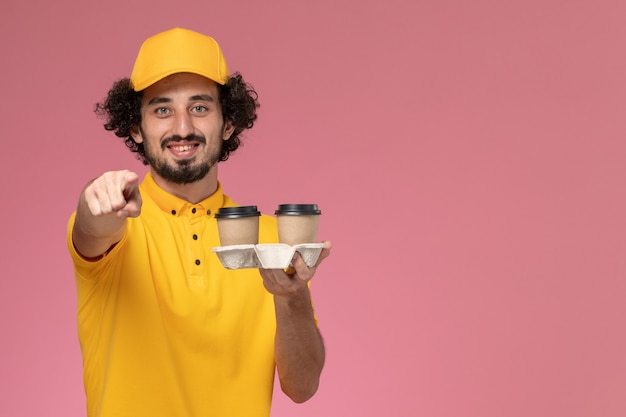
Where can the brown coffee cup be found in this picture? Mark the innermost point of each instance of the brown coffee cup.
(238, 225)
(297, 223)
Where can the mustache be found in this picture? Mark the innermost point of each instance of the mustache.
(189, 138)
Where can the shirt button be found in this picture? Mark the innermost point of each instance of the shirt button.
(193, 210)
(195, 237)
(173, 211)
(208, 212)
(197, 261)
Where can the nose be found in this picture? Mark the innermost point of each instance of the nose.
(183, 124)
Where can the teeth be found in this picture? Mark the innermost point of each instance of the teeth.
(182, 148)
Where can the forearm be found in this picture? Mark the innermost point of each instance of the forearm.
(93, 237)
(103, 207)
(299, 349)
(95, 234)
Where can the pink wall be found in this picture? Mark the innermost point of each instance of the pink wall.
(469, 159)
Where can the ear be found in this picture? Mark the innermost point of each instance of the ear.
(135, 133)
(228, 130)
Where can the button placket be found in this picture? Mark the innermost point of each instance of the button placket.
(195, 223)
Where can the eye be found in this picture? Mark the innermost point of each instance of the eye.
(161, 111)
(199, 109)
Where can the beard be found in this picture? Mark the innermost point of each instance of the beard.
(184, 171)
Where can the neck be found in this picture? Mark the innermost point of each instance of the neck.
(194, 192)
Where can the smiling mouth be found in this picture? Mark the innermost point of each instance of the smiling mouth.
(183, 151)
(182, 148)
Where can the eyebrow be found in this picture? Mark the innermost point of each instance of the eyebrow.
(197, 97)
(202, 97)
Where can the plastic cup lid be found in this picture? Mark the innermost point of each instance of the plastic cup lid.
(237, 212)
(297, 209)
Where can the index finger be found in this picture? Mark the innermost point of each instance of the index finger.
(325, 252)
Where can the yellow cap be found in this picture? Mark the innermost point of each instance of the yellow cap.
(178, 50)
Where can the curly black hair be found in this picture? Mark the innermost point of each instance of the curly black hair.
(122, 111)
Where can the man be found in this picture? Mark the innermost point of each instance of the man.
(164, 329)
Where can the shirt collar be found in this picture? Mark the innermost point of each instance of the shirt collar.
(177, 206)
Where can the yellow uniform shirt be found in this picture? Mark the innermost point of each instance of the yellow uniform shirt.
(164, 328)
